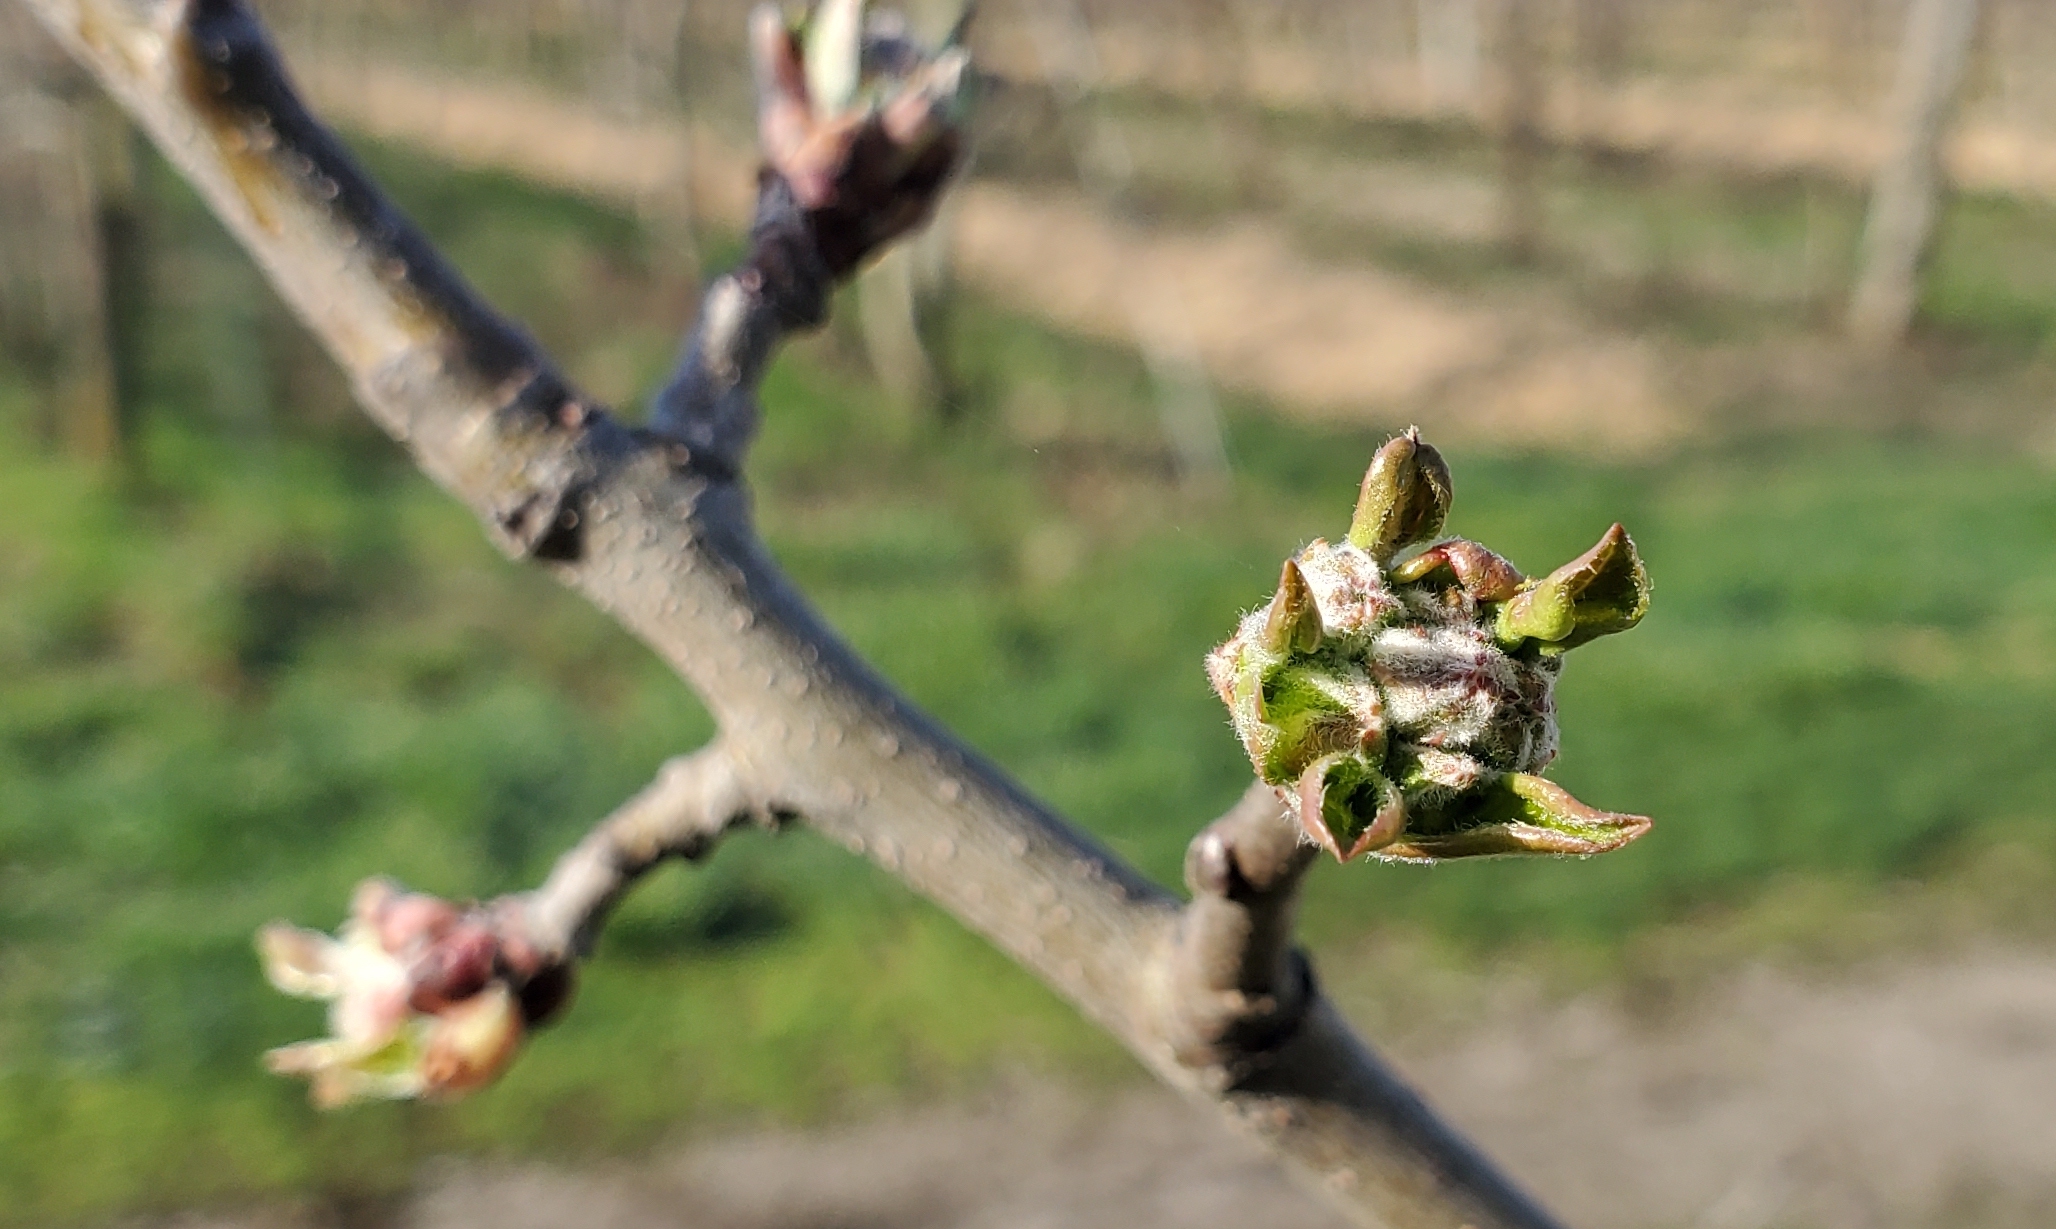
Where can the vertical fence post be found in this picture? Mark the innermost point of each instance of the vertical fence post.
(1446, 41)
(1601, 32)
(903, 298)
(1187, 410)
(1522, 95)
(59, 151)
(1904, 200)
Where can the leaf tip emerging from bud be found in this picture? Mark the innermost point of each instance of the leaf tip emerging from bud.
(1481, 573)
(1347, 807)
(1522, 813)
(1603, 591)
(834, 53)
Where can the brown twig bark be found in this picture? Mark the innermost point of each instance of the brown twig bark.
(654, 527)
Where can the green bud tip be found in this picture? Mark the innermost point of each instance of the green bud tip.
(1404, 500)
(1294, 622)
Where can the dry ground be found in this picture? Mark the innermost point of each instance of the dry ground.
(1908, 1098)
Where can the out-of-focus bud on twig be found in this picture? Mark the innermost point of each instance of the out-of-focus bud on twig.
(1389, 702)
(422, 997)
(859, 120)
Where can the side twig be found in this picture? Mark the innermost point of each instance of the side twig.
(1235, 985)
(694, 801)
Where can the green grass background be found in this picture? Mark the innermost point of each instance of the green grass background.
(263, 659)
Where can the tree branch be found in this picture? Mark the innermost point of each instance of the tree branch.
(659, 536)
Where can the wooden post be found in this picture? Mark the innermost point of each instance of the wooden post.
(1446, 40)
(903, 298)
(1522, 95)
(1189, 414)
(1903, 204)
(59, 151)
(1601, 31)
(95, 421)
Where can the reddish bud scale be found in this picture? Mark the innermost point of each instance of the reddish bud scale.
(453, 968)
(410, 921)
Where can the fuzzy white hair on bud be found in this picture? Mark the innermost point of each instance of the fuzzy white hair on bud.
(1396, 693)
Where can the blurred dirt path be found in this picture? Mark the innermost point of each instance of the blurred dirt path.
(1319, 339)
(1911, 1098)
(1917, 1096)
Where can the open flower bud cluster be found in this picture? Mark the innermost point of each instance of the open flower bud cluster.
(1399, 687)
(418, 1002)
